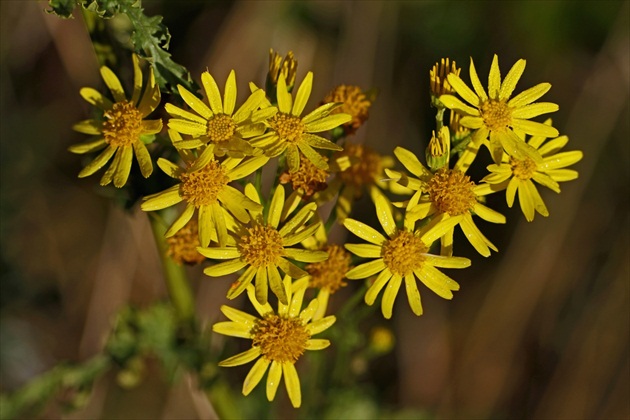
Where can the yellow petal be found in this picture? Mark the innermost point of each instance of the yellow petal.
(121, 173)
(292, 382)
(534, 110)
(481, 93)
(327, 123)
(446, 262)
(144, 158)
(113, 84)
(261, 285)
(224, 268)
(187, 127)
(463, 90)
(475, 237)
(530, 95)
(91, 127)
(181, 221)
(318, 142)
(384, 212)
(229, 96)
(273, 380)
(511, 79)
(195, 103)
(285, 101)
(275, 208)
(232, 329)
(243, 282)
(255, 375)
(438, 282)
(302, 94)
(364, 250)
(451, 102)
(98, 162)
(366, 270)
(241, 358)
(389, 296)
(137, 79)
(291, 269)
(162, 200)
(317, 344)
(249, 106)
(413, 295)
(486, 213)
(306, 255)
(377, 286)
(318, 326)
(315, 158)
(95, 98)
(90, 146)
(178, 112)
(212, 92)
(494, 79)
(364, 231)
(276, 285)
(218, 253)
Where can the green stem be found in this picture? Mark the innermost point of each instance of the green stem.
(176, 279)
(439, 120)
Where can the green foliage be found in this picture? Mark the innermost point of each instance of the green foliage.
(150, 37)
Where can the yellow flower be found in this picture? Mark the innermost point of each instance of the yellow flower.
(354, 103)
(278, 339)
(182, 247)
(450, 193)
(215, 122)
(263, 246)
(292, 134)
(124, 126)
(358, 167)
(403, 256)
(496, 115)
(287, 66)
(328, 276)
(307, 180)
(208, 191)
(438, 77)
(517, 174)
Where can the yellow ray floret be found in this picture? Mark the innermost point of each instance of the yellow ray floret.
(122, 131)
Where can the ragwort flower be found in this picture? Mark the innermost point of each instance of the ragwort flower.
(216, 123)
(278, 339)
(263, 246)
(517, 175)
(208, 192)
(292, 134)
(123, 129)
(403, 256)
(495, 115)
(449, 193)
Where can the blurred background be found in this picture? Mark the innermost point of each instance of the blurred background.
(538, 330)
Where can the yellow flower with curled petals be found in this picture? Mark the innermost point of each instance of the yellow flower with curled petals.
(495, 115)
(278, 339)
(449, 193)
(123, 129)
(216, 122)
(266, 245)
(206, 191)
(293, 134)
(518, 175)
(404, 255)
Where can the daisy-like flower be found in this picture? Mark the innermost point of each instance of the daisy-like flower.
(208, 191)
(449, 193)
(307, 180)
(264, 245)
(355, 103)
(329, 276)
(278, 339)
(519, 175)
(122, 131)
(292, 134)
(495, 115)
(404, 255)
(215, 122)
(357, 168)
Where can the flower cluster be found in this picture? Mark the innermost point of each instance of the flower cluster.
(218, 212)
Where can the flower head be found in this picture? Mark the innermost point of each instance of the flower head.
(519, 175)
(403, 255)
(182, 247)
(354, 103)
(329, 276)
(215, 122)
(278, 65)
(278, 339)
(122, 131)
(495, 115)
(307, 180)
(264, 245)
(357, 168)
(293, 134)
(206, 191)
(449, 193)
(438, 77)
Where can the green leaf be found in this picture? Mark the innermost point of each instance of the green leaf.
(62, 8)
